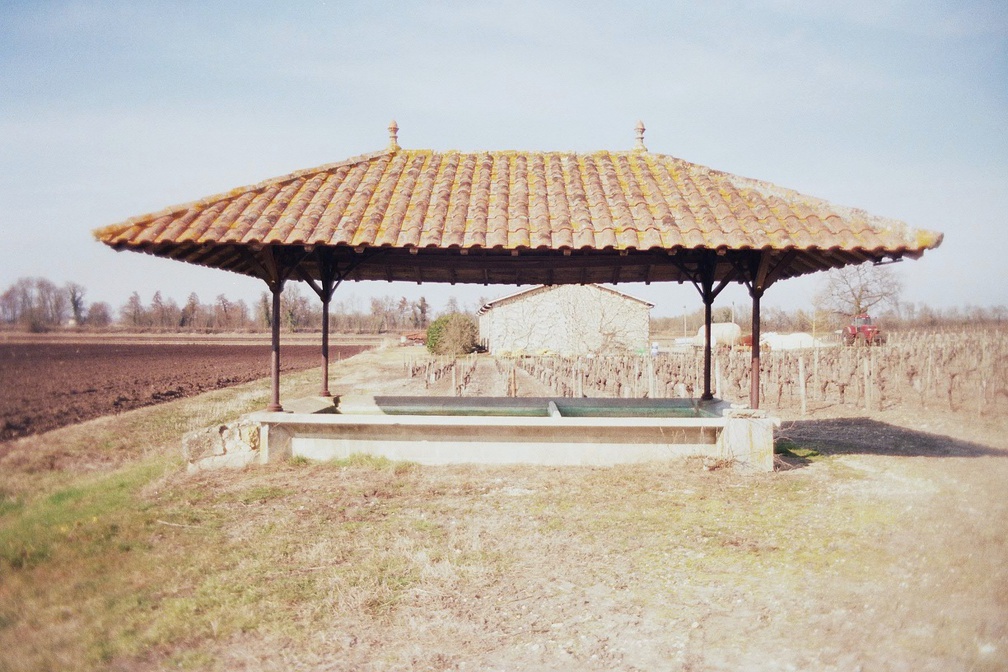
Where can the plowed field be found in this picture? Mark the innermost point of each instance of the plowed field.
(45, 385)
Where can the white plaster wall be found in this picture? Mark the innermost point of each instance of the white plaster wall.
(567, 320)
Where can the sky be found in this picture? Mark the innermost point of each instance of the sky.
(114, 109)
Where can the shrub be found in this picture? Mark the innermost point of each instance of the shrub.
(452, 334)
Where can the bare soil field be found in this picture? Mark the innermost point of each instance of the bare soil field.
(51, 382)
(880, 544)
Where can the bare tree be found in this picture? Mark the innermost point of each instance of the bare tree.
(402, 311)
(223, 313)
(75, 293)
(191, 314)
(853, 290)
(16, 302)
(264, 311)
(133, 313)
(34, 303)
(420, 309)
(382, 319)
(159, 311)
(295, 309)
(99, 314)
(51, 303)
(240, 315)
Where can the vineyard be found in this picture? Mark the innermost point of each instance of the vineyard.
(958, 371)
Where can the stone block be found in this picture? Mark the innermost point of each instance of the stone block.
(235, 445)
(747, 439)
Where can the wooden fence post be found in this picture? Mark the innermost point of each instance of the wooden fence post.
(867, 383)
(717, 377)
(815, 372)
(801, 384)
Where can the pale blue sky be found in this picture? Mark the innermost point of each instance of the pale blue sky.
(114, 109)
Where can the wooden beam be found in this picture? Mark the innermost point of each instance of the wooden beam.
(254, 262)
(304, 275)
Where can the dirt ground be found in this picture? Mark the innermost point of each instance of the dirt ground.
(915, 579)
(50, 383)
(881, 543)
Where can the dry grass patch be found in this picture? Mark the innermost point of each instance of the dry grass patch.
(367, 563)
(129, 563)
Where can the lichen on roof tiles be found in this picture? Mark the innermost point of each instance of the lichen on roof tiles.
(518, 200)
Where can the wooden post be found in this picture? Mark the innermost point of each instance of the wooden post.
(274, 405)
(652, 381)
(801, 384)
(867, 384)
(754, 371)
(324, 391)
(717, 377)
(708, 302)
(636, 379)
(815, 373)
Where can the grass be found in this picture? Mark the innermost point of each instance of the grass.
(79, 520)
(118, 558)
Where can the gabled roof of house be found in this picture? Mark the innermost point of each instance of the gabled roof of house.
(516, 217)
(525, 293)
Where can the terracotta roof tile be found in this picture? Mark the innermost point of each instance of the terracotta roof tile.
(376, 210)
(518, 219)
(477, 210)
(433, 222)
(227, 229)
(601, 222)
(540, 228)
(582, 232)
(203, 221)
(270, 221)
(176, 230)
(458, 210)
(330, 219)
(257, 227)
(286, 228)
(557, 204)
(152, 232)
(514, 200)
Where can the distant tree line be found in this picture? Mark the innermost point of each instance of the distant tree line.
(903, 317)
(844, 293)
(37, 304)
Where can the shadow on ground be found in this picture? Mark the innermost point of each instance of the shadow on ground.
(864, 436)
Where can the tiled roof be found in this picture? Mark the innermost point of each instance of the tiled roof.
(472, 216)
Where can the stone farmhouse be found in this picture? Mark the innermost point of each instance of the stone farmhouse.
(566, 320)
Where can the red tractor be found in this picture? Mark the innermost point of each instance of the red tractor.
(862, 331)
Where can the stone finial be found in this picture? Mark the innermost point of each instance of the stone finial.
(393, 137)
(639, 145)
